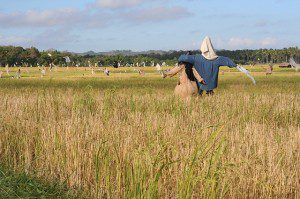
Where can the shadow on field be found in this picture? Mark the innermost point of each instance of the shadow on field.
(155, 83)
(20, 185)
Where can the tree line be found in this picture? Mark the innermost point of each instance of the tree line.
(17, 56)
(245, 56)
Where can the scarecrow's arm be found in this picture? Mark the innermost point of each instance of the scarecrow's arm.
(225, 61)
(187, 59)
(174, 71)
(197, 76)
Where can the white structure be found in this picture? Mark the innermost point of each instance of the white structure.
(18, 74)
(106, 72)
(7, 69)
(67, 59)
(158, 67)
(51, 66)
(43, 72)
(294, 64)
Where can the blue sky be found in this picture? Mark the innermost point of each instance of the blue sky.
(104, 25)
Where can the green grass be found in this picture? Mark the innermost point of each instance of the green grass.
(21, 185)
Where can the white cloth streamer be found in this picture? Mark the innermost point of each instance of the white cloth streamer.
(246, 72)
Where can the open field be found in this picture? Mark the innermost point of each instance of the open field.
(127, 136)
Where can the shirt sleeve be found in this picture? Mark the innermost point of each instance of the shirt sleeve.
(174, 71)
(225, 61)
(187, 58)
(197, 75)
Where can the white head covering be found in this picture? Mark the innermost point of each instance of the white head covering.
(208, 50)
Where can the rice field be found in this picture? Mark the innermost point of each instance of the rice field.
(127, 136)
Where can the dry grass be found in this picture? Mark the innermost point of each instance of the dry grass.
(115, 139)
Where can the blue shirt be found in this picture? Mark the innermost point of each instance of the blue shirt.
(207, 69)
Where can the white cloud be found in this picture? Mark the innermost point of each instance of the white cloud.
(91, 18)
(117, 3)
(261, 23)
(56, 27)
(49, 38)
(54, 37)
(269, 41)
(238, 43)
(14, 40)
(156, 14)
(51, 18)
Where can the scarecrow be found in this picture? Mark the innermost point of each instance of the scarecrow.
(188, 80)
(207, 66)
